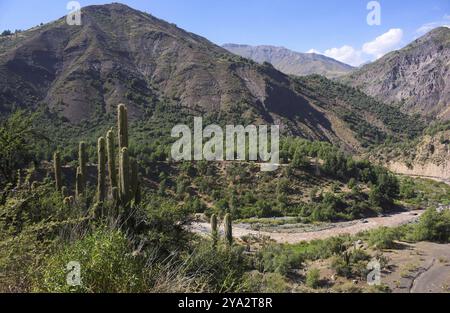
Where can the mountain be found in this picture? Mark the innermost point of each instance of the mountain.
(291, 62)
(417, 77)
(79, 74)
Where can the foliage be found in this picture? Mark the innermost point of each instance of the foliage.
(18, 140)
(433, 226)
(313, 278)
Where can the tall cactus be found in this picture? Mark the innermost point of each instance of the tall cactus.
(214, 231)
(122, 125)
(228, 229)
(101, 170)
(57, 170)
(79, 183)
(111, 159)
(124, 176)
(82, 161)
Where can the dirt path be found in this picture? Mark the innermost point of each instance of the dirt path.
(421, 267)
(436, 277)
(336, 229)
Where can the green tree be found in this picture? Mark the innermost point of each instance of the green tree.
(18, 139)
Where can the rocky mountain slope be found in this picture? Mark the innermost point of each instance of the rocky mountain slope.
(291, 62)
(120, 55)
(427, 156)
(417, 77)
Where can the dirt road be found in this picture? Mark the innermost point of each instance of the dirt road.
(335, 229)
(435, 277)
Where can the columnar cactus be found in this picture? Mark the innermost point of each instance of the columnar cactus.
(122, 125)
(101, 170)
(214, 231)
(111, 159)
(124, 176)
(79, 183)
(228, 229)
(57, 170)
(82, 160)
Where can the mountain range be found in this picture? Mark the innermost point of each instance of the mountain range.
(291, 62)
(121, 55)
(416, 78)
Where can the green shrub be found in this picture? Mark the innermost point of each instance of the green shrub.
(255, 281)
(107, 265)
(313, 278)
(383, 238)
(433, 226)
(222, 267)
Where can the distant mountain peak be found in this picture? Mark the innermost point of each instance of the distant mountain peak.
(291, 62)
(416, 77)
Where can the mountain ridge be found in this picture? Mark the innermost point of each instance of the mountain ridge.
(291, 62)
(415, 78)
(121, 55)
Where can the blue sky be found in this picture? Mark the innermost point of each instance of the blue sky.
(337, 28)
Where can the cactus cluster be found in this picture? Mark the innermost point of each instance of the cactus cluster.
(228, 230)
(124, 188)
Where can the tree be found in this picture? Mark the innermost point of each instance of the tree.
(385, 191)
(433, 226)
(17, 141)
(6, 33)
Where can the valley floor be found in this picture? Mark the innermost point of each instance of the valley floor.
(423, 267)
(295, 234)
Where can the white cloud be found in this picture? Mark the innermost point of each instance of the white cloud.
(425, 28)
(370, 50)
(384, 43)
(313, 51)
(346, 54)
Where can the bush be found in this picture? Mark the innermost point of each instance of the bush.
(277, 259)
(264, 282)
(222, 268)
(107, 265)
(313, 278)
(383, 238)
(351, 263)
(433, 226)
